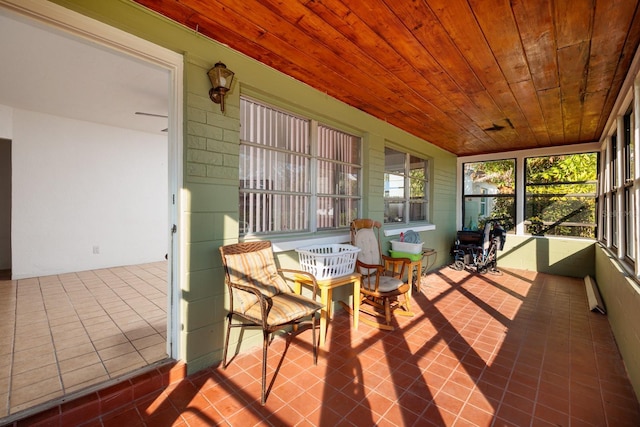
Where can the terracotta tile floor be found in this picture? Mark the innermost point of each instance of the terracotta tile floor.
(61, 334)
(521, 349)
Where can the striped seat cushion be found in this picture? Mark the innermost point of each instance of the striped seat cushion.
(256, 269)
(284, 308)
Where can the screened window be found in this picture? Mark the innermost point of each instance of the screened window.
(618, 192)
(288, 173)
(489, 193)
(603, 205)
(406, 187)
(560, 196)
(612, 191)
(628, 199)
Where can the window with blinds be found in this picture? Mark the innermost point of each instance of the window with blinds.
(292, 166)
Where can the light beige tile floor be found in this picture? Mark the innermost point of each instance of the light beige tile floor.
(60, 334)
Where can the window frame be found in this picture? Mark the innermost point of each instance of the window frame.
(628, 196)
(612, 192)
(519, 157)
(310, 187)
(620, 188)
(406, 200)
(528, 195)
(467, 196)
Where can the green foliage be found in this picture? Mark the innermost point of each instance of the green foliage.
(560, 192)
(560, 196)
(499, 174)
(565, 168)
(417, 182)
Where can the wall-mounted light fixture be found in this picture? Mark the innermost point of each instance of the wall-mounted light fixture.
(221, 78)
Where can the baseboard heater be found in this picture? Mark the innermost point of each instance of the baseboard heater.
(593, 295)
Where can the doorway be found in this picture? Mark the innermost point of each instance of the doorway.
(78, 190)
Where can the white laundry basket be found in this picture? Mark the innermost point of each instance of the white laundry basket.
(328, 261)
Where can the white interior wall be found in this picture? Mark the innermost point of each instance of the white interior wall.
(81, 188)
(5, 204)
(6, 122)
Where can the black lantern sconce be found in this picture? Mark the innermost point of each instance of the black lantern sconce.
(221, 78)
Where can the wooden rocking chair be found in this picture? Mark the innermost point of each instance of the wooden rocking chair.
(382, 276)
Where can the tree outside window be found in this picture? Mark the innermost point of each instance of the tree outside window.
(560, 197)
(489, 193)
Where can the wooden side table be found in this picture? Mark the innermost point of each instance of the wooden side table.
(417, 265)
(415, 269)
(326, 290)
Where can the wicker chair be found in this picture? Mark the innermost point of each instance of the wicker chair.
(382, 276)
(259, 296)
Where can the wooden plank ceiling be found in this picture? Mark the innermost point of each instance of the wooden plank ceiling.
(470, 76)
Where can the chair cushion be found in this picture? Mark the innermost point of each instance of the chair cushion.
(369, 253)
(257, 269)
(387, 283)
(284, 308)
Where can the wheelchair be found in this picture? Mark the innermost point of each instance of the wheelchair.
(478, 250)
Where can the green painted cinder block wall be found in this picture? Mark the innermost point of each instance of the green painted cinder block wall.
(621, 298)
(210, 175)
(564, 257)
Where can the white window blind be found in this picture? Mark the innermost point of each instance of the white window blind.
(278, 190)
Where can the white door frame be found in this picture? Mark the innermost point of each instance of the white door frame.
(97, 32)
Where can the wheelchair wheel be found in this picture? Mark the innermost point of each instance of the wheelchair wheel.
(458, 265)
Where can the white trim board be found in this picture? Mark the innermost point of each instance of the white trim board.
(593, 295)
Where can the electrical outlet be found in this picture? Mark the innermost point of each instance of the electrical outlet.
(96, 249)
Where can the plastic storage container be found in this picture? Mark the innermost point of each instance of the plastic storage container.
(328, 261)
(411, 248)
(412, 257)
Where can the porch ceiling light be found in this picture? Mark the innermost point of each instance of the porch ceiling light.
(221, 78)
